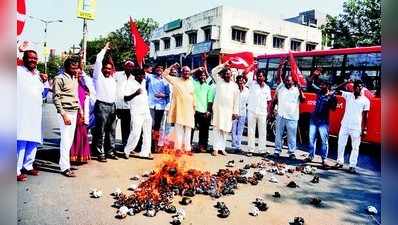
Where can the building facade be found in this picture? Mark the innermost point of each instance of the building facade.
(228, 30)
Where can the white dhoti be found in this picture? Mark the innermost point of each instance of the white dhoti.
(67, 136)
(355, 142)
(219, 139)
(183, 137)
(140, 123)
(255, 119)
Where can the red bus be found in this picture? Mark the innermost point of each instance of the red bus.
(338, 65)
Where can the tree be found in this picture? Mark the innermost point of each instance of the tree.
(121, 43)
(358, 25)
(54, 64)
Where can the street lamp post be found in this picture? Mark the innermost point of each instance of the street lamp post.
(46, 22)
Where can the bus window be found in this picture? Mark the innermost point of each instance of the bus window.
(332, 67)
(304, 63)
(273, 63)
(359, 60)
(365, 67)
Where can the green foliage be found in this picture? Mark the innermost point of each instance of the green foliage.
(121, 43)
(358, 25)
(53, 65)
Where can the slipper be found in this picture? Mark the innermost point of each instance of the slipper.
(68, 173)
(146, 157)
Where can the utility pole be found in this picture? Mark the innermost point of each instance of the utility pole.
(46, 22)
(84, 44)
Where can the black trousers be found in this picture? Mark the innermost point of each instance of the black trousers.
(157, 116)
(203, 124)
(104, 131)
(125, 123)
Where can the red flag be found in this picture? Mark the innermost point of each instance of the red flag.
(240, 60)
(296, 73)
(141, 48)
(21, 15)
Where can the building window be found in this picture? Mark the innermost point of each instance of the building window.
(178, 39)
(295, 45)
(310, 47)
(192, 38)
(207, 32)
(156, 44)
(259, 39)
(166, 43)
(239, 35)
(278, 42)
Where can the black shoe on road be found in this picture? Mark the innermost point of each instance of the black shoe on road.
(292, 156)
(112, 156)
(338, 166)
(308, 159)
(102, 159)
(276, 155)
(352, 170)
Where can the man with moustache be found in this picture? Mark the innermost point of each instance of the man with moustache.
(225, 106)
(67, 105)
(29, 113)
(288, 96)
(122, 107)
(103, 143)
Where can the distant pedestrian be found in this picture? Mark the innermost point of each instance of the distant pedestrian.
(354, 124)
(238, 124)
(225, 106)
(103, 143)
(67, 105)
(29, 114)
(288, 97)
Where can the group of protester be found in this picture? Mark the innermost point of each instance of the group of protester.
(158, 107)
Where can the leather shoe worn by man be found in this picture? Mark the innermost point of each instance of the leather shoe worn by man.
(22, 177)
(112, 156)
(31, 172)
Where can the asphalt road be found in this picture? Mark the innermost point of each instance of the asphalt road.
(53, 199)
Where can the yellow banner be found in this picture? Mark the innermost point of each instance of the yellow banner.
(86, 9)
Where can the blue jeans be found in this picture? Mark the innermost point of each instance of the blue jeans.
(237, 130)
(323, 129)
(291, 127)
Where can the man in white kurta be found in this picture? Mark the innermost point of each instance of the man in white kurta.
(225, 106)
(29, 114)
(141, 120)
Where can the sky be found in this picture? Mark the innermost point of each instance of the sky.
(111, 14)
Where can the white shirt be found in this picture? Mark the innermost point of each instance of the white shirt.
(139, 104)
(243, 98)
(258, 98)
(288, 102)
(29, 105)
(105, 87)
(121, 82)
(354, 107)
